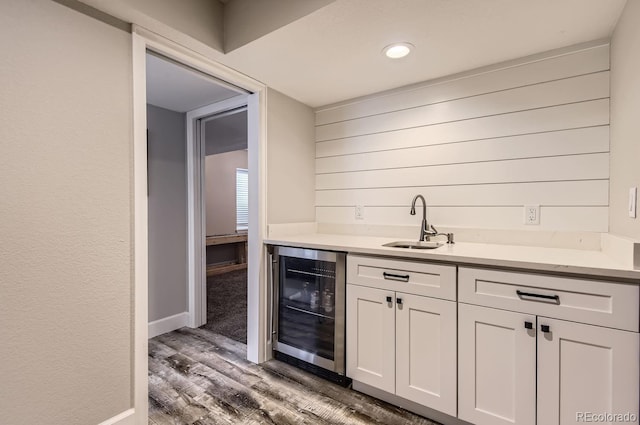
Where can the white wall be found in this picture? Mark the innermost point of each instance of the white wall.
(625, 119)
(65, 203)
(220, 191)
(290, 160)
(478, 148)
(167, 171)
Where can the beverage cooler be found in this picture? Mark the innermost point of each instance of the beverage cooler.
(309, 310)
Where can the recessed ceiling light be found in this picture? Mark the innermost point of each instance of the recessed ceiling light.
(397, 50)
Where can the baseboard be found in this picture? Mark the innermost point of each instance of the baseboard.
(125, 418)
(168, 324)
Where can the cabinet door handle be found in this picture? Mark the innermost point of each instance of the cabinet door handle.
(389, 299)
(545, 328)
(528, 325)
(398, 277)
(523, 294)
(399, 301)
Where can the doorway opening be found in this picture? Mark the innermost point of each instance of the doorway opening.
(224, 136)
(188, 114)
(254, 97)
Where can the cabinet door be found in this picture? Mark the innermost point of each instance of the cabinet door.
(371, 337)
(426, 351)
(496, 366)
(585, 369)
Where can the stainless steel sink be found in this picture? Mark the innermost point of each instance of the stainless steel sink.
(414, 245)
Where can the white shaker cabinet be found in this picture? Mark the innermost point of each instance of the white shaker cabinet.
(400, 342)
(370, 339)
(585, 368)
(523, 367)
(496, 366)
(426, 351)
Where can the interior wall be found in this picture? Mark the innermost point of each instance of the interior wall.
(201, 20)
(290, 159)
(478, 148)
(167, 171)
(65, 260)
(220, 191)
(226, 133)
(625, 122)
(248, 20)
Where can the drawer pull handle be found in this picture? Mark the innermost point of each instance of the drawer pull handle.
(398, 277)
(399, 301)
(389, 299)
(528, 325)
(554, 298)
(545, 328)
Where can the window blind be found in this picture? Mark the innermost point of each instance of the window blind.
(242, 199)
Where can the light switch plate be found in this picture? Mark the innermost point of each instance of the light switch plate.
(633, 194)
(532, 214)
(359, 212)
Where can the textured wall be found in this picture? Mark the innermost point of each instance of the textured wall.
(625, 122)
(167, 212)
(65, 208)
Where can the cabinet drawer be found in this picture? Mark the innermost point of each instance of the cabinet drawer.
(410, 277)
(609, 304)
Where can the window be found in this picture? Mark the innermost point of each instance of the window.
(242, 199)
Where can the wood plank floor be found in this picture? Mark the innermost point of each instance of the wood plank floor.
(199, 377)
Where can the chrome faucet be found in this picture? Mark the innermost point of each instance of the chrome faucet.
(424, 226)
(426, 231)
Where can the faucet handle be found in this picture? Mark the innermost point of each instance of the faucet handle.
(434, 229)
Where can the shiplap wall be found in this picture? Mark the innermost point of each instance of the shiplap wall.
(478, 148)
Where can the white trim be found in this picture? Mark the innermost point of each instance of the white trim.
(257, 267)
(168, 324)
(140, 233)
(195, 60)
(196, 274)
(218, 107)
(257, 142)
(125, 418)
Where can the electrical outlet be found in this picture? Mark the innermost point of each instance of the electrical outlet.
(359, 212)
(532, 214)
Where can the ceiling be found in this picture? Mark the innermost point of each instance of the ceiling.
(334, 53)
(181, 89)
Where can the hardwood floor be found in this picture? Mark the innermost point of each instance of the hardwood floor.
(199, 377)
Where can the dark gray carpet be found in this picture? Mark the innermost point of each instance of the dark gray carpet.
(227, 305)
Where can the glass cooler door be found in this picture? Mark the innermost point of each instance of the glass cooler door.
(306, 305)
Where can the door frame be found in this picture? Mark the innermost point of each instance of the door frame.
(142, 40)
(196, 211)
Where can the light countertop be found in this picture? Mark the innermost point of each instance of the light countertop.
(553, 260)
